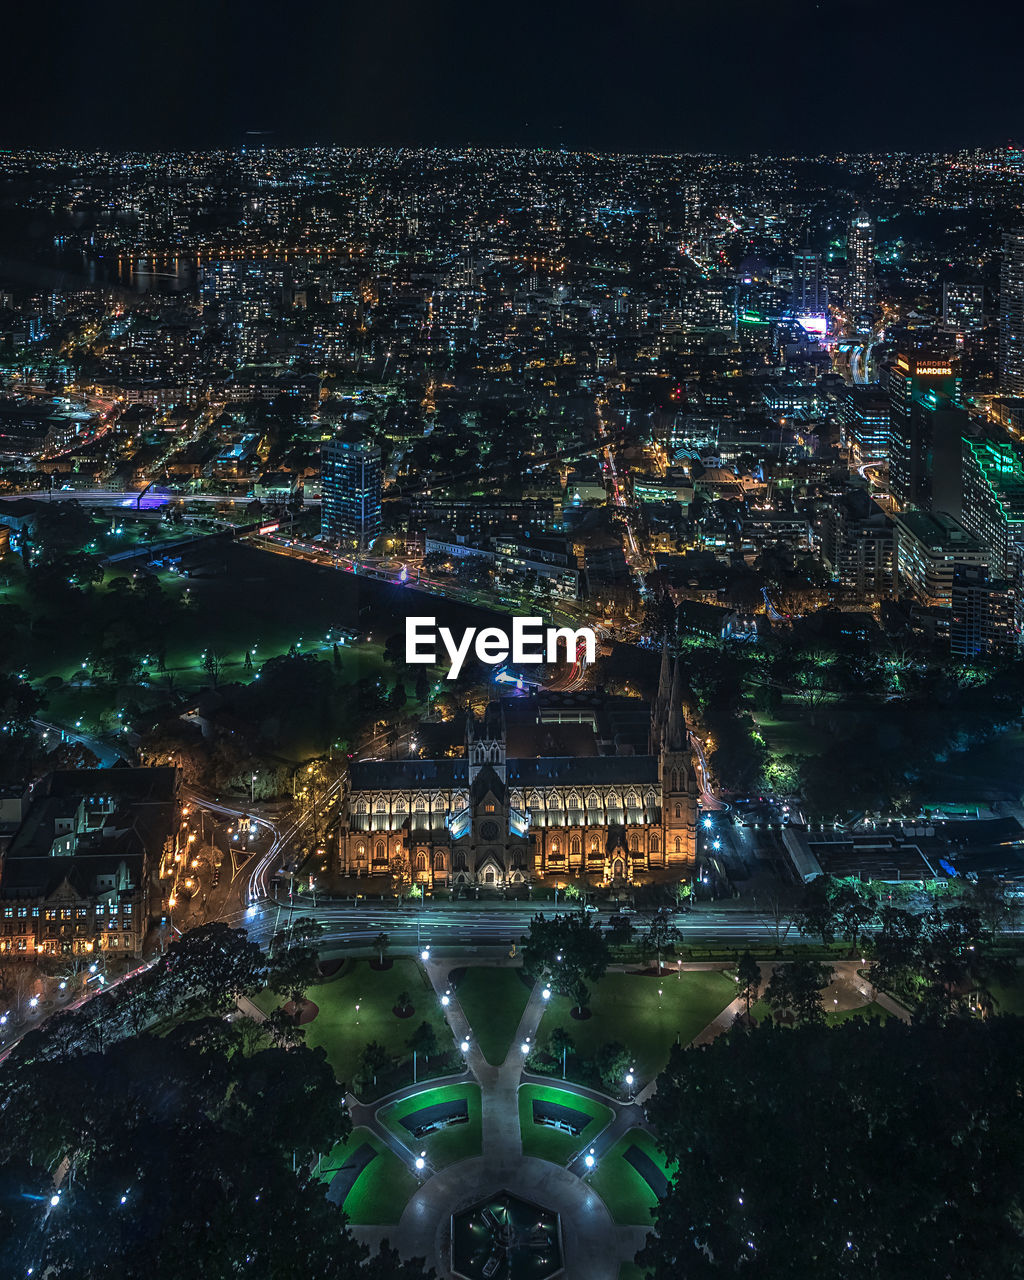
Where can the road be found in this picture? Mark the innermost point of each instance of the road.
(454, 926)
(126, 498)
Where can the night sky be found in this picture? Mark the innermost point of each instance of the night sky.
(643, 75)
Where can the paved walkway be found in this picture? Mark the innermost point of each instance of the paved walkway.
(595, 1245)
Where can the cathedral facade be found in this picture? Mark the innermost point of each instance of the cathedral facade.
(494, 819)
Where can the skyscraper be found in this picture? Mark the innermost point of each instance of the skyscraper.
(963, 304)
(1011, 315)
(860, 260)
(925, 429)
(808, 289)
(351, 484)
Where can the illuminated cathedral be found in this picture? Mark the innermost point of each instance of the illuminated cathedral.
(515, 809)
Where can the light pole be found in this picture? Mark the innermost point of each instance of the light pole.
(252, 788)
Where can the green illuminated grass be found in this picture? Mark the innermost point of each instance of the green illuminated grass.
(456, 1142)
(550, 1144)
(381, 1191)
(628, 1196)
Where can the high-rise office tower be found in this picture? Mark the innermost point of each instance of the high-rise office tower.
(963, 305)
(1011, 315)
(864, 417)
(808, 289)
(925, 431)
(860, 261)
(982, 620)
(351, 480)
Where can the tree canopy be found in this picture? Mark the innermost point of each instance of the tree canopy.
(862, 1150)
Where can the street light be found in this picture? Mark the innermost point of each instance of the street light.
(588, 1159)
(421, 1162)
(445, 1002)
(546, 993)
(425, 954)
(464, 1046)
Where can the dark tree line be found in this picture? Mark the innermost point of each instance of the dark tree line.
(193, 1151)
(860, 1151)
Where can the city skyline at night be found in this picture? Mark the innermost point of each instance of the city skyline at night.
(511, 642)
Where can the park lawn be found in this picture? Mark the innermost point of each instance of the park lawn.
(456, 1141)
(493, 1001)
(627, 1007)
(630, 1271)
(381, 1190)
(552, 1144)
(628, 1196)
(789, 737)
(1008, 997)
(344, 1030)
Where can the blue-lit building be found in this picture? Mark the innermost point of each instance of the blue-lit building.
(864, 416)
(351, 477)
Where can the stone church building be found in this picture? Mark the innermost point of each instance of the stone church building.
(547, 790)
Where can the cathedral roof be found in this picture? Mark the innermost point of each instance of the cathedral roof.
(550, 771)
(567, 771)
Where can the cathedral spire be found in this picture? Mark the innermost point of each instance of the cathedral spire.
(675, 726)
(661, 702)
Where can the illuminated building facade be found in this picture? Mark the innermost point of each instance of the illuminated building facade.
(1011, 315)
(860, 259)
(493, 819)
(925, 426)
(351, 480)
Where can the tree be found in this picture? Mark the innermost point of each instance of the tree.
(374, 1060)
(398, 695)
(853, 910)
(184, 1154)
(295, 960)
(401, 872)
(568, 948)
(774, 914)
(748, 971)
(795, 989)
(815, 913)
(213, 665)
(215, 963)
(806, 1184)
(293, 1096)
(613, 1061)
(424, 1040)
(661, 933)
